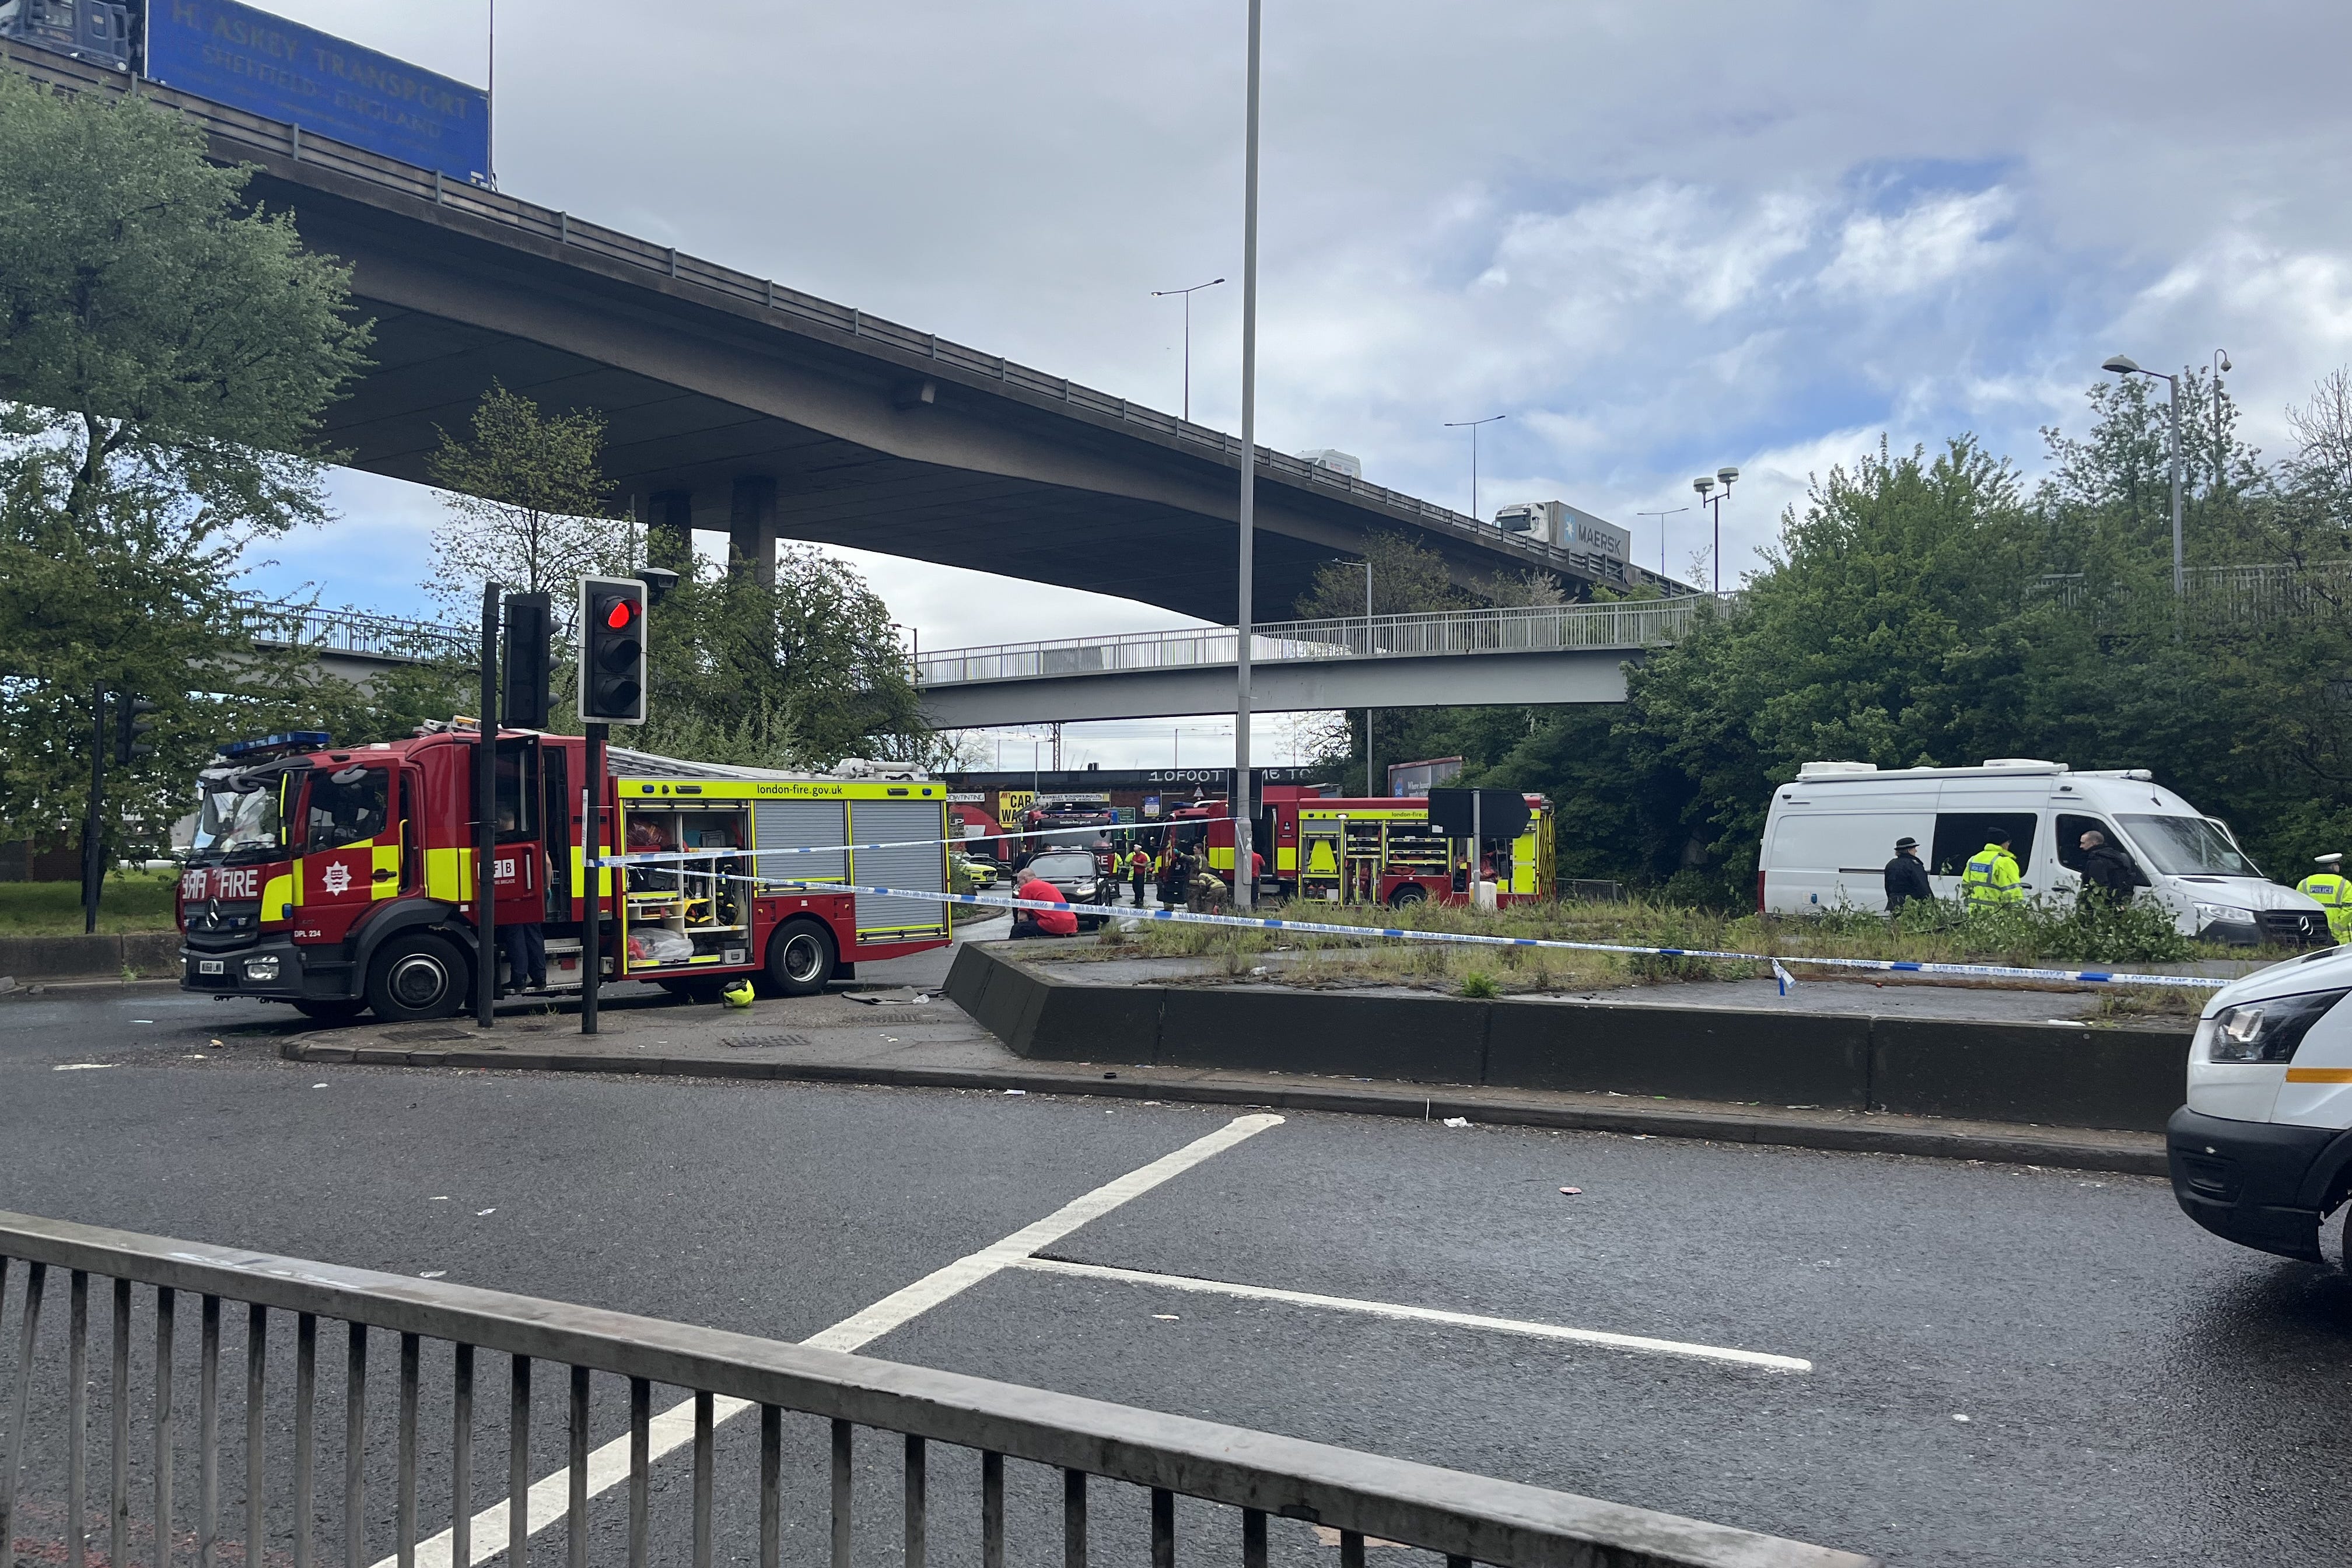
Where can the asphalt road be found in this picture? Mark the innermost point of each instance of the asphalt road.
(2135, 1392)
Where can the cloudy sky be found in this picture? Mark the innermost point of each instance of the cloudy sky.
(1659, 239)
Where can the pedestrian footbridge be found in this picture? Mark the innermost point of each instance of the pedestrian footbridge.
(1542, 653)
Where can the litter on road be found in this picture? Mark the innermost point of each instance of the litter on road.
(1573, 1192)
(1457, 1122)
(80, 1066)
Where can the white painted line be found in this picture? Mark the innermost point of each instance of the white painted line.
(1417, 1314)
(902, 1306)
(608, 1467)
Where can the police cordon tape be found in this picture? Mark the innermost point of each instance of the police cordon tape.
(1399, 933)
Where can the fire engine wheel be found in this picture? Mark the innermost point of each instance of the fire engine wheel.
(420, 976)
(331, 1012)
(800, 958)
(1408, 894)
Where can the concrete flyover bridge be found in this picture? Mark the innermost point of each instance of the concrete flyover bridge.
(736, 404)
(1544, 654)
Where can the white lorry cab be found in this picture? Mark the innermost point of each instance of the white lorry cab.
(2262, 1151)
(1831, 830)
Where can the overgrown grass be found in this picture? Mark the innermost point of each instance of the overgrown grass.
(2022, 935)
(133, 901)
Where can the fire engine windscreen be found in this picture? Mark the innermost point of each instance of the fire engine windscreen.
(236, 813)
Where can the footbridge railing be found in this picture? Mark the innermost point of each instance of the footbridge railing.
(273, 623)
(1542, 629)
(143, 1304)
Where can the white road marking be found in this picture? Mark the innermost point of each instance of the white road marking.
(608, 1467)
(1417, 1314)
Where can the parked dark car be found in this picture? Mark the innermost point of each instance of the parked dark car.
(1078, 877)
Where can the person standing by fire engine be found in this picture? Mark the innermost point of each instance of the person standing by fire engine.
(523, 942)
(1139, 871)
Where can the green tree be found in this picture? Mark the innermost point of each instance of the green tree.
(1407, 579)
(526, 503)
(167, 351)
(798, 673)
(1886, 626)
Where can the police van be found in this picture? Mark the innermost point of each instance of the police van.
(2261, 1155)
(1832, 828)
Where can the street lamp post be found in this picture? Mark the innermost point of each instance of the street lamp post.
(1371, 787)
(2122, 365)
(1662, 517)
(1472, 426)
(2221, 443)
(1704, 485)
(1244, 883)
(1187, 293)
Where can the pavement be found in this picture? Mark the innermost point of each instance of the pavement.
(2005, 1367)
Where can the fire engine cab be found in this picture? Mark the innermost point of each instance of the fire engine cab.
(343, 880)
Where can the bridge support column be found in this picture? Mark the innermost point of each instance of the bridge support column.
(669, 530)
(751, 526)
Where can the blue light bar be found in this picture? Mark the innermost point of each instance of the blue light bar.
(291, 740)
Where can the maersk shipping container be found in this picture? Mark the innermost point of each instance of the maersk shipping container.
(283, 70)
(1557, 523)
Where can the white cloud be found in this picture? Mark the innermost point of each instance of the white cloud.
(1930, 242)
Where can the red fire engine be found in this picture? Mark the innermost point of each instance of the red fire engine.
(341, 881)
(1374, 849)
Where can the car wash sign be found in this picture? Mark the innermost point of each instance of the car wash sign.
(283, 70)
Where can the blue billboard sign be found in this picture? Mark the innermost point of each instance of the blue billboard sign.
(283, 70)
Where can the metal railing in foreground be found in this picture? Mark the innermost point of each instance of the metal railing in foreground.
(975, 1425)
(1537, 629)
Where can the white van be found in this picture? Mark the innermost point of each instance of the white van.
(1833, 829)
(2262, 1151)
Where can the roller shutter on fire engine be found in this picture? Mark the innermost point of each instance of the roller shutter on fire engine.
(920, 866)
(799, 825)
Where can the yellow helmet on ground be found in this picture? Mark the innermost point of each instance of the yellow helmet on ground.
(737, 993)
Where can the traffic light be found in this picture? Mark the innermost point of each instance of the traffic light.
(612, 651)
(129, 723)
(524, 664)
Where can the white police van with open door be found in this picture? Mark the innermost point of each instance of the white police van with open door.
(1832, 828)
(2261, 1155)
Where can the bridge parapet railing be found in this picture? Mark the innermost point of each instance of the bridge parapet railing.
(2247, 592)
(1540, 628)
(283, 625)
(446, 1350)
(237, 132)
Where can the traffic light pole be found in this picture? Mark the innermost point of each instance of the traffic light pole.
(592, 928)
(93, 847)
(486, 826)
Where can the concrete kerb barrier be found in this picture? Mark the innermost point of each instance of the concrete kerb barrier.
(2021, 1145)
(2047, 1075)
(65, 957)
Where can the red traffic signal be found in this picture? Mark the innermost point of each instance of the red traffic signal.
(612, 651)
